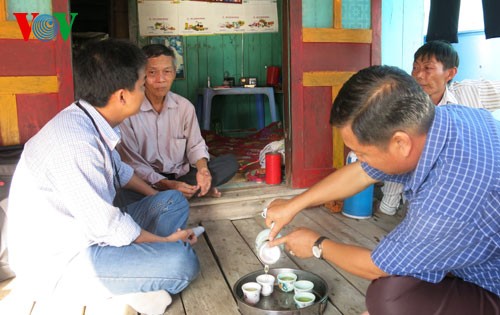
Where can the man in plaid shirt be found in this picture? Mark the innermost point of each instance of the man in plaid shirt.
(444, 257)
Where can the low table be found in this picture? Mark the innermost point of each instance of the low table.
(205, 96)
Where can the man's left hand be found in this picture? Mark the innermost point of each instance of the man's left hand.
(299, 243)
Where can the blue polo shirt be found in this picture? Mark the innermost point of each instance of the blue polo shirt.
(453, 221)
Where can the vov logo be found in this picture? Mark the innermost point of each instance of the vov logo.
(45, 26)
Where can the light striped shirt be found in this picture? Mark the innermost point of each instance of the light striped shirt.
(167, 142)
(62, 193)
(453, 221)
(473, 93)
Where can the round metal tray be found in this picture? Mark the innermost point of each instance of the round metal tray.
(280, 302)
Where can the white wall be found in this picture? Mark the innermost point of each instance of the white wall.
(402, 31)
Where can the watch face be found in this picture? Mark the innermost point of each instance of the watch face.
(316, 252)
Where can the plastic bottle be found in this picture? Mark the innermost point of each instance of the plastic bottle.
(359, 206)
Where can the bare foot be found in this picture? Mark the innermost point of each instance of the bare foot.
(214, 193)
(365, 313)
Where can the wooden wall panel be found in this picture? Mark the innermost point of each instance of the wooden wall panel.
(9, 130)
(36, 79)
(315, 135)
(319, 57)
(32, 84)
(17, 58)
(317, 127)
(36, 110)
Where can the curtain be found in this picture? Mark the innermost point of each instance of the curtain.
(443, 20)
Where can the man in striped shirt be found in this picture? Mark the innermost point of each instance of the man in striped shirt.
(444, 257)
(434, 67)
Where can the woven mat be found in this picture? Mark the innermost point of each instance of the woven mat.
(246, 149)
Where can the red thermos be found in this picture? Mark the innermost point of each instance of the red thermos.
(273, 168)
(273, 75)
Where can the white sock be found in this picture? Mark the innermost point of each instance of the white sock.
(147, 303)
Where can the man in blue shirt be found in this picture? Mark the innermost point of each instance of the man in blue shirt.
(68, 240)
(444, 257)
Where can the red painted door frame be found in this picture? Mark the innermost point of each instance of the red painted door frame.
(308, 134)
(37, 60)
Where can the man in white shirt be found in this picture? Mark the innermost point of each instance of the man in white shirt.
(67, 239)
(163, 142)
(434, 67)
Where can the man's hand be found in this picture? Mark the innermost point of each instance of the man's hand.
(300, 242)
(204, 180)
(187, 190)
(187, 236)
(279, 213)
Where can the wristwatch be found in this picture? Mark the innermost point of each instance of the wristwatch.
(318, 248)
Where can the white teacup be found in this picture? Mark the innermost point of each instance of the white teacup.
(267, 283)
(303, 286)
(251, 292)
(268, 255)
(286, 281)
(304, 299)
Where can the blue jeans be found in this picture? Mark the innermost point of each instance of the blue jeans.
(104, 271)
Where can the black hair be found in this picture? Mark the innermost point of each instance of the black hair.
(380, 100)
(441, 50)
(105, 66)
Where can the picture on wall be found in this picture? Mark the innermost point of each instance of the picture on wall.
(177, 44)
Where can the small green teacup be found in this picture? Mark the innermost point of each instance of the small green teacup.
(304, 299)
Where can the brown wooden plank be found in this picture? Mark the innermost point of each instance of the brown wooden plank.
(176, 308)
(247, 193)
(237, 203)
(233, 254)
(232, 210)
(365, 227)
(351, 231)
(209, 293)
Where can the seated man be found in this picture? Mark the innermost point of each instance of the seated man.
(434, 67)
(163, 142)
(67, 241)
(443, 258)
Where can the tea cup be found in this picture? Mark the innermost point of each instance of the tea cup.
(268, 255)
(286, 281)
(267, 283)
(251, 292)
(303, 286)
(304, 299)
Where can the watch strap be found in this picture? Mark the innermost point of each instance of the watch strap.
(318, 243)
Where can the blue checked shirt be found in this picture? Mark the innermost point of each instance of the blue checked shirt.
(62, 192)
(453, 222)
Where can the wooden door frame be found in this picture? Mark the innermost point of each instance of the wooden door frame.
(292, 78)
(286, 90)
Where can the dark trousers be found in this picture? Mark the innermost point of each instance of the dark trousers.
(396, 295)
(222, 169)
